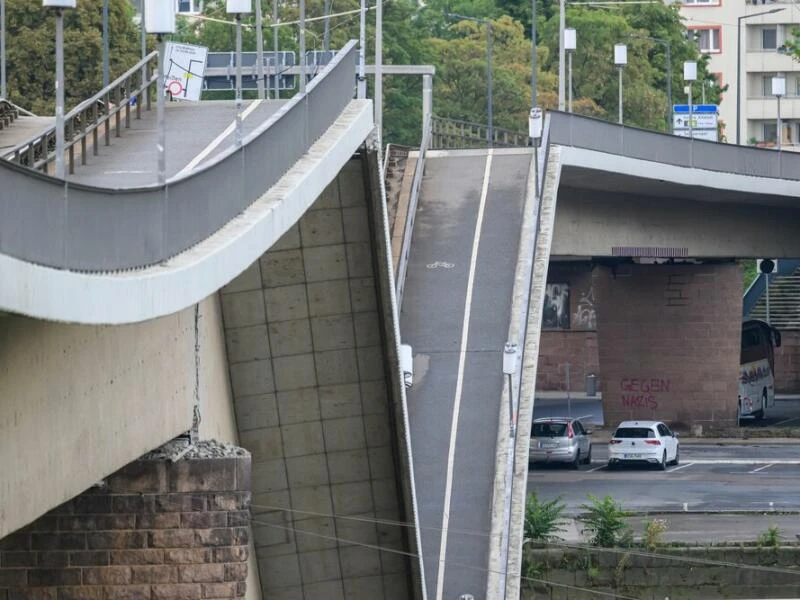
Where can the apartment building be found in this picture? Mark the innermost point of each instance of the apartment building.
(757, 29)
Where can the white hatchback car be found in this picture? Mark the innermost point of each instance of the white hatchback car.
(643, 442)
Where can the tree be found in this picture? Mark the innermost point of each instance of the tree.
(31, 51)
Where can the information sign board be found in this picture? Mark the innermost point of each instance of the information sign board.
(184, 67)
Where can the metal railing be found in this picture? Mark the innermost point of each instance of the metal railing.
(66, 225)
(8, 113)
(90, 116)
(569, 129)
(452, 133)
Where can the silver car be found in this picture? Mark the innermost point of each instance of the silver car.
(561, 440)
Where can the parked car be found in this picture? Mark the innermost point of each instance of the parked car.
(560, 440)
(649, 442)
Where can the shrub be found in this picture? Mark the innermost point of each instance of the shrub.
(543, 520)
(770, 538)
(605, 522)
(653, 531)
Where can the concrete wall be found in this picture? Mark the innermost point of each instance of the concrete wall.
(157, 531)
(669, 340)
(576, 345)
(310, 371)
(698, 572)
(589, 223)
(79, 402)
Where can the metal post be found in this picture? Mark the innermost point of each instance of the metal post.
(60, 93)
(162, 133)
(767, 295)
(302, 46)
(238, 133)
(362, 53)
(619, 120)
(569, 81)
(275, 45)
(569, 397)
(259, 51)
(379, 70)
(326, 33)
(561, 25)
(490, 116)
(534, 65)
(691, 113)
(143, 42)
(427, 100)
(669, 87)
(106, 77)
(738, 78)
(3, 85)
(779, 124)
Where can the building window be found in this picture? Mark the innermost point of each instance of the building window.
(769, 38)
(708, 39)
(770, 132)
(190, 6)
(796, 87)
(767, 85)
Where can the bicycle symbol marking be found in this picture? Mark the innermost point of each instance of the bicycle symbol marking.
(440, 265)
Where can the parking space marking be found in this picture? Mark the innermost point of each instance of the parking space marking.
(762, 468)
(603, 466)
(683, 466)
(786, 421)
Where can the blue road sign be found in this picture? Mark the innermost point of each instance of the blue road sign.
(696, 108)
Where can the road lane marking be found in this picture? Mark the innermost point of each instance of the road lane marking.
(747, 461)
(603, 466)
(762, 468)
(683, 466)
(217, 140)
(460, 379)
(786, 421)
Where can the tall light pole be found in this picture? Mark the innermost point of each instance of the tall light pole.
(739, 66)
(667, 72)
(275, 45)
(159, 18)
(59, 6)
(361, 87)
(3, 86)
(259, 50)
(778, 90)
(489, 86)
(570, 44)
(379, 70)
(562, 18)
(237, 8)
(534, 66)
(690, 76)
(620, 59)
(106, 75)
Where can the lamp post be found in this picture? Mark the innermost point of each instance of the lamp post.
(105, 44)
(561, 51)
(361, 86)
(59, 6)
(778, 90)
(739, 66)
(159, 18)
(259, 51)
(690, 75)
(3, 88)
(275, 46)
(302, 46)
(620, 59)
(489, 103)
(570, 44)
(237, 8)
(534, 66)
(667, 72)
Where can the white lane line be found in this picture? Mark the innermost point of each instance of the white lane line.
(217, 140)
(683, 466)
(786, 421)
(603, 466)
(460, 380)
(762, 468)
(747, 461)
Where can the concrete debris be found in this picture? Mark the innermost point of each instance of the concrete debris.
(182, 448)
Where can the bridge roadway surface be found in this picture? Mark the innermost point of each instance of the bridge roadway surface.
(193, 130)
(437, 312)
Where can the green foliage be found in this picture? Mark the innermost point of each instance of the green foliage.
(605, 522)
(543, 520)
(771, 538)
(749, 271)
(30, 48)
(653, 533)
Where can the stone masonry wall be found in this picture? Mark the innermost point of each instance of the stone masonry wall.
(787, 363)
(669, 341)
(156, 531)
(576, 345)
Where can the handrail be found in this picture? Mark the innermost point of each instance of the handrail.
(413, 201)
(68, 225)
(472, 135)
(86, 118)
(8, 113)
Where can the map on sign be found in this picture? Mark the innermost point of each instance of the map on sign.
(184, 66)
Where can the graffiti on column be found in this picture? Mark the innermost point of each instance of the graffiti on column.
(555, 314)
(585, 313)
(639, 392)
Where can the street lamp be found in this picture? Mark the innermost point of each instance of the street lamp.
(490, 116)
(238, 7)
(690, 75)
(739, 66)
(159, 18)
(620, 59)
(778, 90)
(59, 6)
(3, 89)
(570, 44)
(667, 72)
